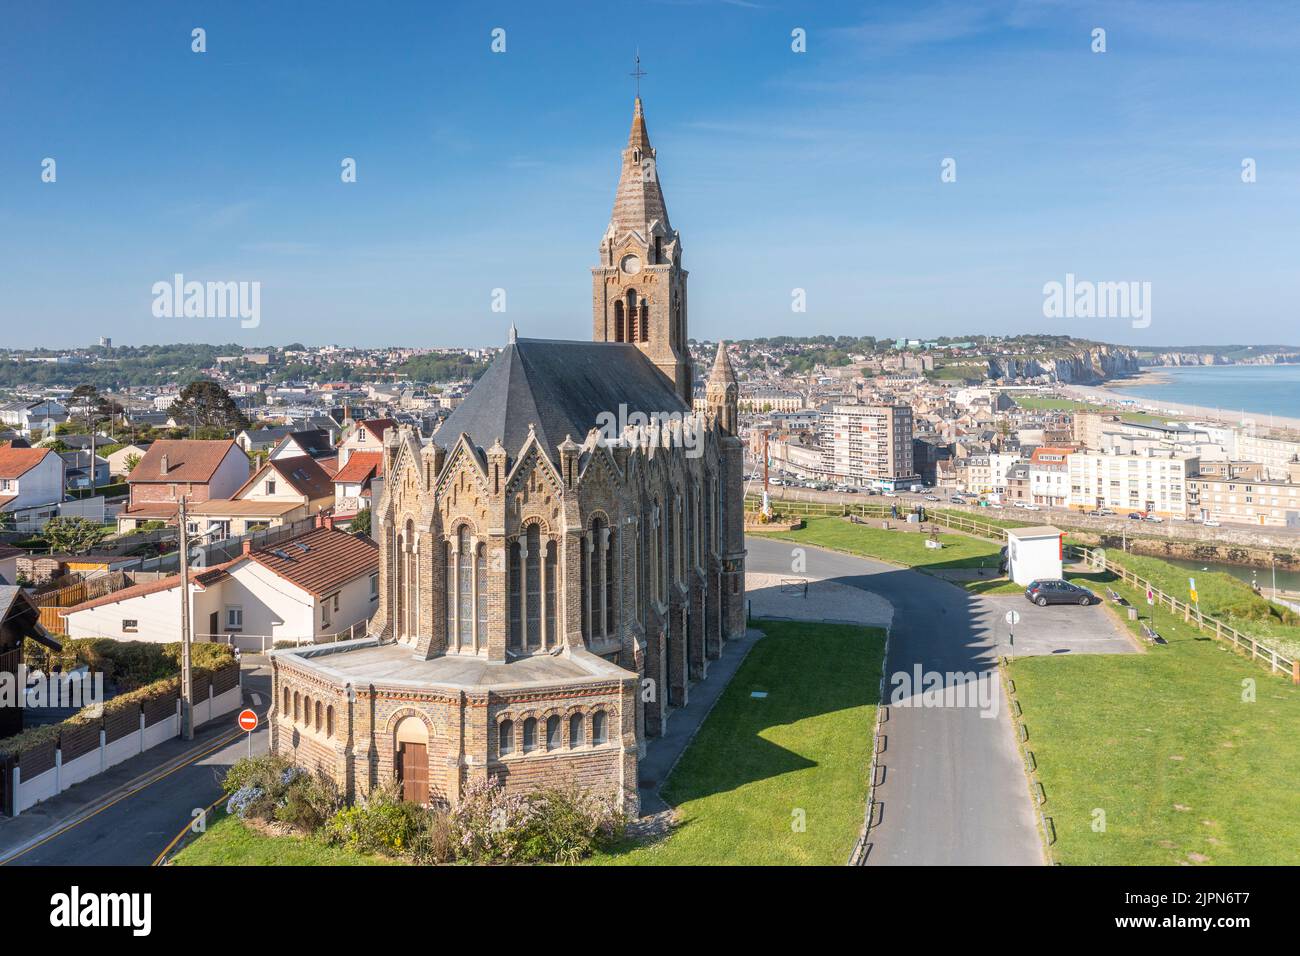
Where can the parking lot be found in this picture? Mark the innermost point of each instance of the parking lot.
(1057, 628)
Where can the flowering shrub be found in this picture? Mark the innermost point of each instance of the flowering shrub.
(546, 826)
(384, 823)
(269, 788)
(489, 826)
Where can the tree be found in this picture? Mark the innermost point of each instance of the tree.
(73, 535)
(131, 461)
(361, 521)
(204, 403)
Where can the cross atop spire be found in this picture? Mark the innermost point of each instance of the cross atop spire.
(638, 73)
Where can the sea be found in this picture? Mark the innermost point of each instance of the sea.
(1257, 389)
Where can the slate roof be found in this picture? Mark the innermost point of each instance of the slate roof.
(19, 613)
(561, 388)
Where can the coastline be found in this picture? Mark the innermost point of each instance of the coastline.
(1110, 394)
(1146, 376)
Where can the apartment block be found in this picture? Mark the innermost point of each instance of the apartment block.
(868, 444)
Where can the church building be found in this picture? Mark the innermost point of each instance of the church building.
(558, 566)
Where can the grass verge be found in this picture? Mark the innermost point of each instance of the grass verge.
(230, 842)
(760, 766)
(1187, 753)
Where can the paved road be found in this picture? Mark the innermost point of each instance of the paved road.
(954, 790)
(132, 830)
(1120, 524)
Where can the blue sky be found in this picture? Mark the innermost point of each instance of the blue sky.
(477, 170)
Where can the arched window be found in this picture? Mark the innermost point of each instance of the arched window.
(449, 590)
(530, 735)
(534, 579)
(516, 625)
(552, 570)
(329, 721)
(609, 586)
(506, 738)
(618, 321)
(633, 320)
(575, 730)
(596, 578)
(320, 716)
(554, 732)
(599, 728)
(465, 584)
(297, 702)
(584, 588)
(481, 583)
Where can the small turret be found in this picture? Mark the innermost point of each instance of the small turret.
(722, 393)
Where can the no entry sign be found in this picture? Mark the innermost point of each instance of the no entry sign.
(247, 720)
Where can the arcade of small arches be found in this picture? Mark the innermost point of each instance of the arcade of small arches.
(551, 732)
(308, 714)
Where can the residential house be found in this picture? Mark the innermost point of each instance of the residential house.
(315, 443)
(77, 469)
(357, 483)
(124, 459)
(175, 468)
(280, 492)
(29, 417)
(366, 435)
(317, 586)
(31, 483)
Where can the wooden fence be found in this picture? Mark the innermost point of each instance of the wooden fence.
(51, 602)
(1244, 643)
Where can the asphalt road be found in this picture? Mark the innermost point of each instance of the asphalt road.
(1120, 524)
(132, 830)
(954, 788)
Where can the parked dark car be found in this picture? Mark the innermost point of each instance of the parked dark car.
(1056, 591)
(1135, 516)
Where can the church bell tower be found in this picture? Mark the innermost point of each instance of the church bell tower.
(639, 286)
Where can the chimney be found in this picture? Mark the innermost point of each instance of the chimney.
(164, 463)
(248, 548)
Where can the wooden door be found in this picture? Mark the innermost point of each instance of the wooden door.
(413, 772)
(214, 625)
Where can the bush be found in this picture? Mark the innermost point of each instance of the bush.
(382, 824)
(260, 787)
(547, 826)
(309, 802)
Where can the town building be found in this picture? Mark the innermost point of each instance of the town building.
(868, 445)
(1153, 483)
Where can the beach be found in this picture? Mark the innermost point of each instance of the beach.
(1112, 394)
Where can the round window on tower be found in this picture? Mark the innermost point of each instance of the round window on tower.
(630, 265)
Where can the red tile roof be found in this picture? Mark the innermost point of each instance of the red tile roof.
(15, 462)
(201, 577)
(361, 466)
(377, 426)
(321, 561)
(187, 460)
(302, 472)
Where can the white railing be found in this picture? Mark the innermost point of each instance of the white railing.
(261, 643)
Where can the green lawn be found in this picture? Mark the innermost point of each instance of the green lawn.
(760, 764)
(1184, 770)
(898, 547)
(1222, 596)
(229, 843)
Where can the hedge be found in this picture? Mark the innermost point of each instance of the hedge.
(124, 661)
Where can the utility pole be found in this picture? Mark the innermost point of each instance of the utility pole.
(187, 676)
